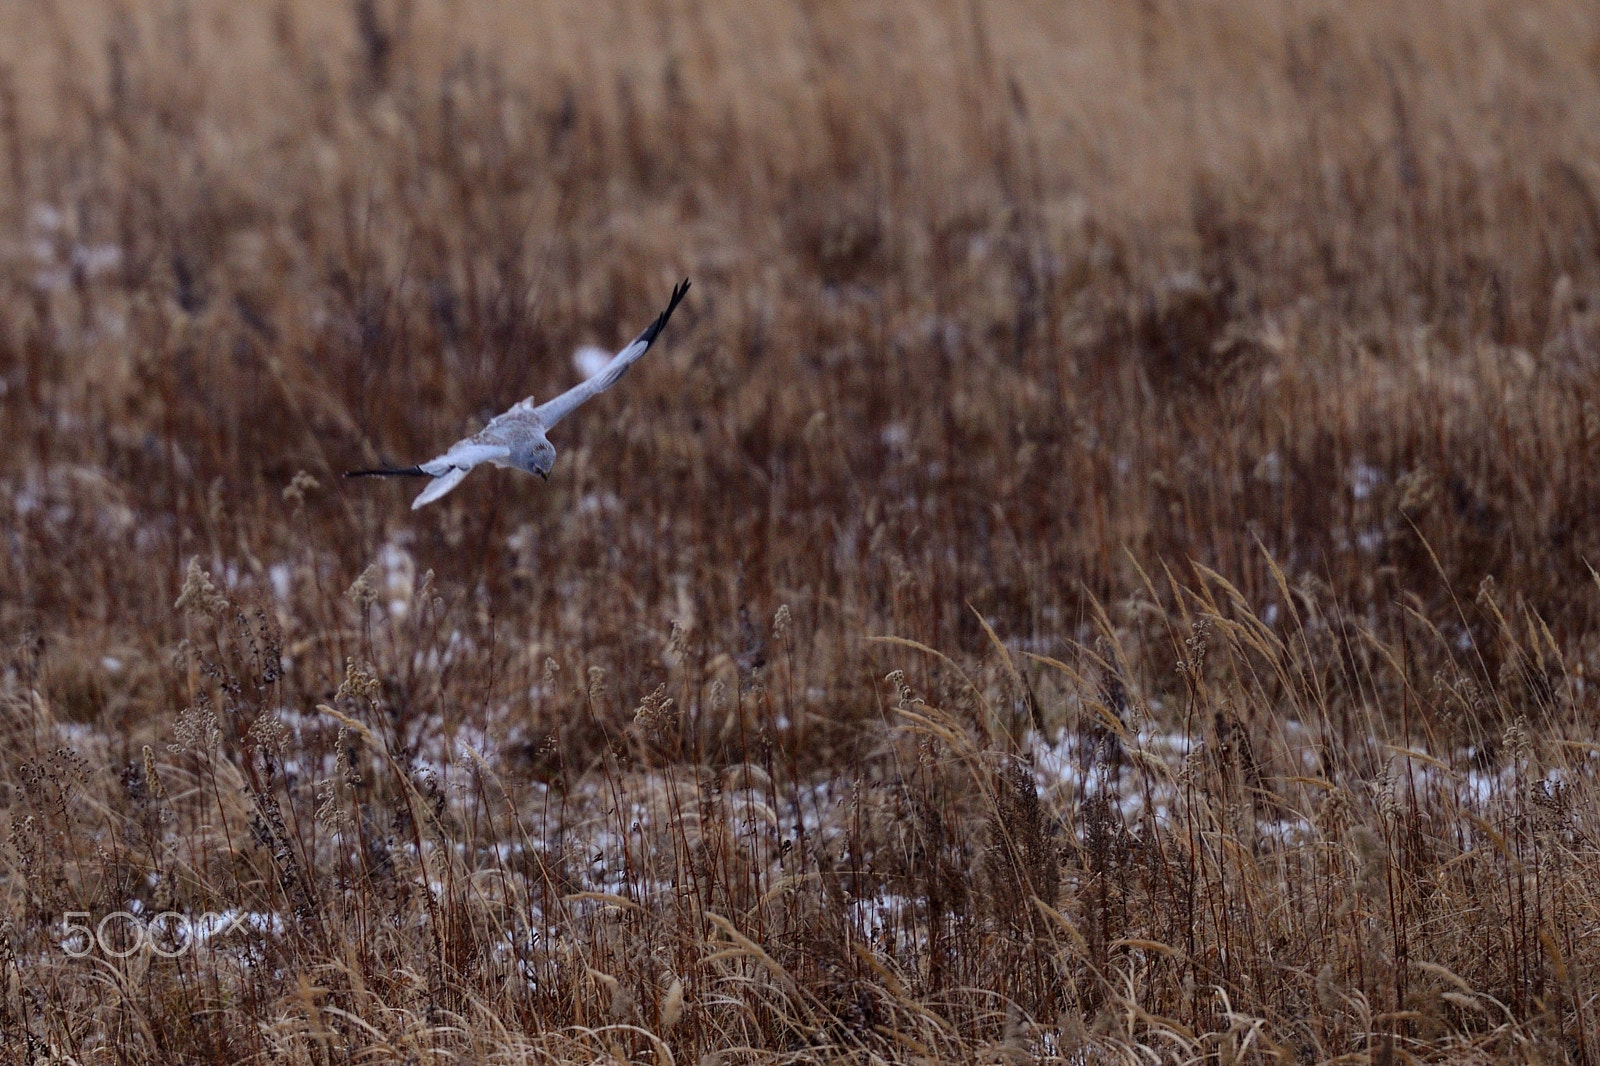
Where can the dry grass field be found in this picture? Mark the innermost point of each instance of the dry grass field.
(1100, 569)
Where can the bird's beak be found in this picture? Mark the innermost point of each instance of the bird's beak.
(545, 474)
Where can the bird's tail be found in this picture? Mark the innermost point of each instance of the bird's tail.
(390, 471)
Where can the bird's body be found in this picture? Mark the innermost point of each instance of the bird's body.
(517, 438)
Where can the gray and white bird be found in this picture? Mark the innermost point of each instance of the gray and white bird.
(517, 437)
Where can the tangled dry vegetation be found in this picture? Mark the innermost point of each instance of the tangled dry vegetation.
(1098, 570)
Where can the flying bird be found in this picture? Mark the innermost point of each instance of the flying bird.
(517, 437)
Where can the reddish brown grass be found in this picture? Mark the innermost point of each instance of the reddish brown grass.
(1098, 569)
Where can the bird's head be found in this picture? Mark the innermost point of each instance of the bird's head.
(543, 458)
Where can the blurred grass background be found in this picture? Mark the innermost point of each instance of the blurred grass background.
(1104, 332)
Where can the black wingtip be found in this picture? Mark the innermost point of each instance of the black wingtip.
(655, 328)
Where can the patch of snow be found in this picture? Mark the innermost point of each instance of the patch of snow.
(399, 578)
(96, 259)
(590, 359)
(46, 217)
(279, 576)
(1364, 480)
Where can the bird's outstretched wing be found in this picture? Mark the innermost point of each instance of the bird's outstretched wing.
(553, 411)
(447, 470)
(455, 464)
(440, 485)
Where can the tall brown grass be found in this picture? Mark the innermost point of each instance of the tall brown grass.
(1098, 570)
